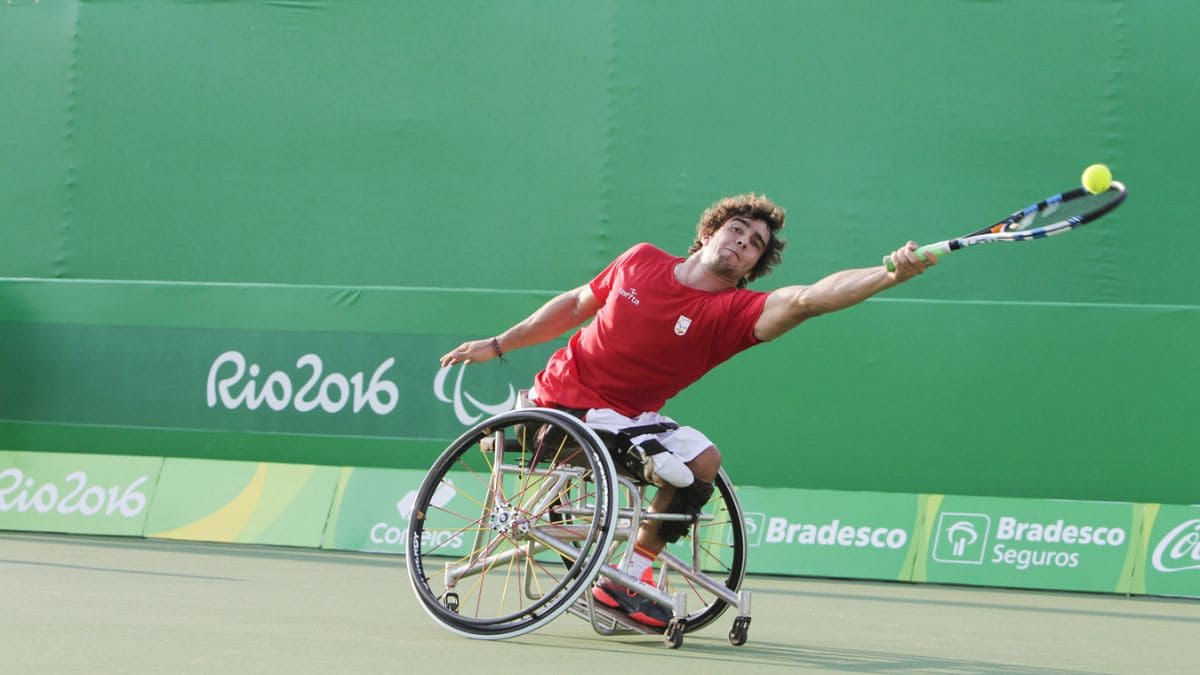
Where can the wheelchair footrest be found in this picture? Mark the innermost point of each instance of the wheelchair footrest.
(608, 621)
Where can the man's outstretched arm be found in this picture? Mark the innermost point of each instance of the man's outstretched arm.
(562, 313)
(787, 307)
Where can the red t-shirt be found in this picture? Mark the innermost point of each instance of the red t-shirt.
(651, 338)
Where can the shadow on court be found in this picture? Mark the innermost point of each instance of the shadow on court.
(97, 604)
(714, 657)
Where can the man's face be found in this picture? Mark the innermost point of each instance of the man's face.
(735, 247)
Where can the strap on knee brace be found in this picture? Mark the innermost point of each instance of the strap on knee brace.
(649, 459)
(688, 501)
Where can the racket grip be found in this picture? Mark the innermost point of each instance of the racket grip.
(925, 251)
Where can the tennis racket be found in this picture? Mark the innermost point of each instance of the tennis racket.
(1052, 216)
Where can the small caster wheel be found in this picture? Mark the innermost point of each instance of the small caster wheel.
(673, 637)
(739, 632)
(451, 601)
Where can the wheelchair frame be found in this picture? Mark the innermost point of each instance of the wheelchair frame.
(553, 513)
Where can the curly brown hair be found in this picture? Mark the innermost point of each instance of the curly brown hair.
(757, 207)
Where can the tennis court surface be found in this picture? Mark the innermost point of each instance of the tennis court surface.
(98, 604)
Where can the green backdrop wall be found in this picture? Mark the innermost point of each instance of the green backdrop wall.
(335, 193)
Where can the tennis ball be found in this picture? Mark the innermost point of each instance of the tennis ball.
(1096, 178)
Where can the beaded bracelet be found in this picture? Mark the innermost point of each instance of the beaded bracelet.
(496, 348)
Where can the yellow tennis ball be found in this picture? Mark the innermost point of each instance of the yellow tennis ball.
(1096, 178)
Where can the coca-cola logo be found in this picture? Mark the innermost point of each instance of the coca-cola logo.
(1179, 550)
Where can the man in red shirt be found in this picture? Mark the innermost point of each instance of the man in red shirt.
(660, 323)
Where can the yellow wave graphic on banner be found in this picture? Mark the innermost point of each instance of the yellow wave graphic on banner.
(928, 507)
(285, 484)
(1135, 566)
(225, 523)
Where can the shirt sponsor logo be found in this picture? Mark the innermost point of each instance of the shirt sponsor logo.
(629, 294)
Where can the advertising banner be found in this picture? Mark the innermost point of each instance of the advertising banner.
(333, 383)
(81, 494)
(242, 502)
(1170, 563)
(371, 509)
(1028, 543)
(862, 535)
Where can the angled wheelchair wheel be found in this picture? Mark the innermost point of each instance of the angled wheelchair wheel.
(715, 549)
(512, 523)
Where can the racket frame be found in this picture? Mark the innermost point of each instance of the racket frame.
(1009, 229)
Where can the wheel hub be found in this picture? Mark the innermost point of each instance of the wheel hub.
(506, 519)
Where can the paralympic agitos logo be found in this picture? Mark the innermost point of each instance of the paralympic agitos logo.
(461, 399)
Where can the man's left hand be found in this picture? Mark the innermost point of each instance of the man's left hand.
(908, 263)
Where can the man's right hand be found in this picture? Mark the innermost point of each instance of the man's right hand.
(564, 311)
(475, 351)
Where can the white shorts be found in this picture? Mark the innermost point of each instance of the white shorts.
(685, 443)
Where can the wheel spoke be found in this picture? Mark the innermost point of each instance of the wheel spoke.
(511, 580)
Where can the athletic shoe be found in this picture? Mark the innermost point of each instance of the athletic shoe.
(642, 610)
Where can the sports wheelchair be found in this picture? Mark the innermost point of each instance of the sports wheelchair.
(522, 513)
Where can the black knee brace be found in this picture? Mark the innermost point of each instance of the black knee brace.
(687, 501)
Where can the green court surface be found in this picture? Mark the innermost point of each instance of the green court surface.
(95, 604)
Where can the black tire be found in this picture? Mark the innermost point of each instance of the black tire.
(479, 563)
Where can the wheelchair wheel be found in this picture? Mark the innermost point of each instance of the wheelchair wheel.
(717, 549)
(511, 524)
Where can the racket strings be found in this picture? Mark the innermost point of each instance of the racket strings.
(1057, 209)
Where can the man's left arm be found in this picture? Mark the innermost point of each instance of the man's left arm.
(787, 307)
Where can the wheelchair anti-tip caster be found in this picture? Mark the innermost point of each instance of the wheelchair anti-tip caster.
(740, 631)
(673, 636)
